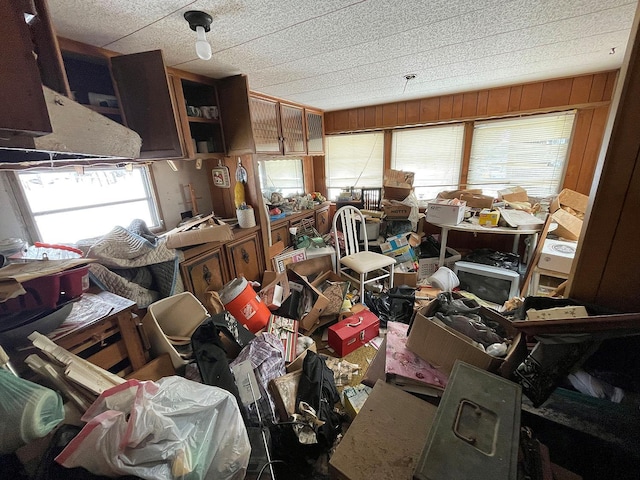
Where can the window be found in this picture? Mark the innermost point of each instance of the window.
(284, 176)
(530, 152)
(353, 161)
(434, 154)
(68, 205)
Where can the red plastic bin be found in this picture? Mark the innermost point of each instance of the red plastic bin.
(50, 290)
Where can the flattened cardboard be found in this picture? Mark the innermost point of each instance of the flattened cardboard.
(568, 198)
(569, 227)
(476, 200)
(214, 231)
(441, 345)
(514, 194)
(386, 437)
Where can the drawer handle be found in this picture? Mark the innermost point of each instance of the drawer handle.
(278, 237)
(245, 255)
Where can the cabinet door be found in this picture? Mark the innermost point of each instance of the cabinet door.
(233, 95)
(315, 143)
(322, 221)
(23, 106)
(266, 125)
(143, 87)
(281, 234)
(204, 273)
(293, 137)
(246, 258)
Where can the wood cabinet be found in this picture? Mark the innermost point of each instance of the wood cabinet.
(245, 258)
(199, 114)
(292, 127)
(315, 132)
(322, 220)
(205, 272)
(278, 128)
(140, 85)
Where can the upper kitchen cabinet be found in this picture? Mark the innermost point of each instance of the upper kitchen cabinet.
(256, 123)
(199, 113)
(131, 89)
(315, 132)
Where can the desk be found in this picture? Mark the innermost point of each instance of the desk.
(475, 229)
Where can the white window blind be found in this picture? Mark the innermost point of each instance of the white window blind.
(353, 161)
(281, 175)
(530, 152)
(434, 154)
(68, 206)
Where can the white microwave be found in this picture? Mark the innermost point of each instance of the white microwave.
(492, 284)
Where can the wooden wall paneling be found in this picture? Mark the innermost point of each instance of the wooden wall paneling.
(429, 109)
(50, 63)
(556, 92)
(469, 104)
(379, 113)
(308, 174)
(581, 89)
(389, 114)
(361, 122)
(466, 153)
(353, 119)
(369, 117)
(498, 102)
(413, 111)
(612, 78)
(531, 96)
(388, 146)
(609, 246)
(483, 99)
(319, 175)
(402, 107)
(514, 98)
(592, 150)
(340, 120)
(456, 109)
(577, 148)
(598, 86)
(446, 107)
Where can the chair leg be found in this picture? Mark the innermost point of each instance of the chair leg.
(391, 277)
(362, 277)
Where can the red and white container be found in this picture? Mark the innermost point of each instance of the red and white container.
(353, 332)
(242, 301)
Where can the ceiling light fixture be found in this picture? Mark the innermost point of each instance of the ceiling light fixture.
(407, 77)
(200, 23)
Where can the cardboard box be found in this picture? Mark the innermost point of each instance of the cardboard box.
(569, 227)
(398, 178)
(557, 255)
(396, 193)
(441, 346)
(444, 213)
(450, 194)
(489, 218)
(204, 230)
(514, 194)
(299, 360)
(353, 332)
(405, 278)
(397, 210)
(476, 200)
(568, 198)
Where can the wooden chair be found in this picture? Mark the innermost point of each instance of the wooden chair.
(359, 265)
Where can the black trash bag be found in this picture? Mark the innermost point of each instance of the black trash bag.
(396, 305)
(486, 256)
(456, 306)
(211, 358)
(317, 387)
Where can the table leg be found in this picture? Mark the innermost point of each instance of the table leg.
(444, 233)
(516, 243)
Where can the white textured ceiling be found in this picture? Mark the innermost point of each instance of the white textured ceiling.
(335, 54)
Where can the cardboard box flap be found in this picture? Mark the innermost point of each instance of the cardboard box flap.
(398, 178)
(568, 198)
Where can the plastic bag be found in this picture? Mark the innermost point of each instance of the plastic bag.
(28, 411)
(393, 306)
(171, 429)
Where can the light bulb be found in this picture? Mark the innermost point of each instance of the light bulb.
(203, 49)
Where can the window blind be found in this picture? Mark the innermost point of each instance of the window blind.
(530, 152)
(282, 175)
(353, 161)
(434, 154)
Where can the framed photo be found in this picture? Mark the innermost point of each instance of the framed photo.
(221, 176)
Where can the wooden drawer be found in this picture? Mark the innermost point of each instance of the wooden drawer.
(281, 234)
(204, 273)
(245, 258)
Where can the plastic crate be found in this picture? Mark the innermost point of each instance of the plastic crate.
(428, 266)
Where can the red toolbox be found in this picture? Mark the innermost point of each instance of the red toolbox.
(353, 332)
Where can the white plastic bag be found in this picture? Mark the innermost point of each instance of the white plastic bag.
(171, 429)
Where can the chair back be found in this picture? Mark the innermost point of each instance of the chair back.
(371, 198)
(349, 219)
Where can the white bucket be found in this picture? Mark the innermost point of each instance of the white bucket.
(246, 218)
(444, 279)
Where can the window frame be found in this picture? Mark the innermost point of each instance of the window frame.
(29, 218)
